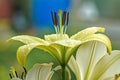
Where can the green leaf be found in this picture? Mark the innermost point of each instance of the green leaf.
(107, 67)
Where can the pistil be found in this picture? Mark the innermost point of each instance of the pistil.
(60, 23)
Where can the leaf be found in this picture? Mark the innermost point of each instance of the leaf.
(107, 67)
(84, 33)
(87, 56)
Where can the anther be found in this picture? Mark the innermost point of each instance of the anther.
(55, 19)
(116, 76)
(67, 18)
(64, 18)
(16, 73)
(25, 70)
(23, 75)
(10, 76)
(12, 69)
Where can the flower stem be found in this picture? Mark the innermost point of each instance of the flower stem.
(63, 72)
(63, 65)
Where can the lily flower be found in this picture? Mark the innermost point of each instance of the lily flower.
(92, 62)
(60, 45)
(38, 72)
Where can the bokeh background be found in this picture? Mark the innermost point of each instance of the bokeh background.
(32, 17)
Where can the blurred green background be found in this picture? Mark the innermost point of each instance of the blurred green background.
(32, 17)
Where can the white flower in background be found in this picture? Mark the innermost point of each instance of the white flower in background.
(38, 72)
(92, 62)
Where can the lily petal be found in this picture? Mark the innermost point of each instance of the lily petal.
(74, 67)
(70, 52)
(24, 50)
(84, 33)
(40, 72)
(87, 56)
(33, 42)
(55, 37)
(16, 79)
(67, 43)
(101, 38)
(28, 39)
(107, 67)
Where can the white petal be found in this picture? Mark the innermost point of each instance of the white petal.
(88, 55)
(40, 72)
(16, 79)
(107, 67)
(74, 67)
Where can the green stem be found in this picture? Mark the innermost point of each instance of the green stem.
(63, 65)
(63, 72)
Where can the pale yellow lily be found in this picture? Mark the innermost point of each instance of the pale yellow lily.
(92, 62)
(61, 49)
(60, 45)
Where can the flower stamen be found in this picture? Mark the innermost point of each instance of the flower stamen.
(55, 21)
(64, 18)
(14, 73)
(67, 19)
(25, 70)
(23, 75)
(116, 76)
(60, 22)
(10, 75)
